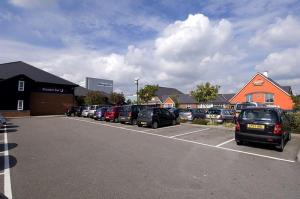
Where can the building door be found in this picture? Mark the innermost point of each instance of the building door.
(49, 103)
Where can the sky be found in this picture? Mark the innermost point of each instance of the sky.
(172, 43)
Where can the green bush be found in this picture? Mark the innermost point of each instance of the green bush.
(294, 122)
(183, 121)
(200, 121)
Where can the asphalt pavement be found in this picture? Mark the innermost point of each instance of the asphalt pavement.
(59, 157)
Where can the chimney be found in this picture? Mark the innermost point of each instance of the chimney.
(265, 73)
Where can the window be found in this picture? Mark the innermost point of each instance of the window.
(20, 105)
(269, 97)
(21, 86)
(249, 98)
(188, 106)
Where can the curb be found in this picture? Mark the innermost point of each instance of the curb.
(210, 126)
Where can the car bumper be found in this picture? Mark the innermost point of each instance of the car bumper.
(144, 122)
(266, 139)
(125, 119)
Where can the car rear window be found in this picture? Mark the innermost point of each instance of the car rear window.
(259, 114)
(126, 108)
(241, 106)
(214, 111)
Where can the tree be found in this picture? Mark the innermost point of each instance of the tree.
(129, 101)
(147, 93)
(296, 100)
(94, 97)
(117, 98)
(205, 92)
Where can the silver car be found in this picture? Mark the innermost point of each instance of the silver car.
(85, 111)
(220, 115)
(92, 110)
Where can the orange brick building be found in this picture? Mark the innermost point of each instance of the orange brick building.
(263, 89)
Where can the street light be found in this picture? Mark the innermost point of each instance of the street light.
(136, 81)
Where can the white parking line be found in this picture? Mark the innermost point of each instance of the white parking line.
(7, 181)
(189, 141)
(166, 127)
(225, 142)
(189, 133)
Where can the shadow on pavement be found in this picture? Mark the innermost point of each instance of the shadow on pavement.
(9, 146)
(12, 162)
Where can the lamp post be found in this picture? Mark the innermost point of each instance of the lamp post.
(136, 81)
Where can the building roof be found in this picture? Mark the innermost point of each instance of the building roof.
(183, 99)
(161, 91)
(221, 99)
(9, 70)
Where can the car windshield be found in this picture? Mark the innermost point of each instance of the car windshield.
(259, 114)
(214, 112)
(185, 110)
(146, 111)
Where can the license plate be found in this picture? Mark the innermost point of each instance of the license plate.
(255, 126)
(212, 116)
(143, 122)
(122, 118)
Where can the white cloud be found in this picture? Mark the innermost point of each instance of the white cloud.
(282, 65)
(284, 32)
(33, 3)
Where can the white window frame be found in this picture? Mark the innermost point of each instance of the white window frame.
(21, 85)
(188, 106)
(20, 105)
(248, 96)
(270, 94)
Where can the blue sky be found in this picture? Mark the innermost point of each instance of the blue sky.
(171, 43)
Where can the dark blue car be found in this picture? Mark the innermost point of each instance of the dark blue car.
(99, 113)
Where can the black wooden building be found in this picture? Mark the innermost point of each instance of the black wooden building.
(27, 90)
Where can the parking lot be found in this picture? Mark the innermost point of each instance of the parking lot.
(71, 157)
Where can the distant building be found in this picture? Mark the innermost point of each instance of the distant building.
(102, 85)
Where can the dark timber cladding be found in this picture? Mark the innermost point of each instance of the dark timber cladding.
(25, 88)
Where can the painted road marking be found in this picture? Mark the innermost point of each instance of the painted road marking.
(225, 142)
(189, 141)
(167, 127)
(189, 133)
(7, 181)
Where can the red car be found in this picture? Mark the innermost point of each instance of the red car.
(112, 114)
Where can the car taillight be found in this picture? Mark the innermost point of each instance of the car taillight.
(277, 129)
(237, 126)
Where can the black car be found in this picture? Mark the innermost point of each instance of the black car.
(71, 111)
(155, 117)
(176, 112)
(2, 121)
(263, 125)
(129, 113)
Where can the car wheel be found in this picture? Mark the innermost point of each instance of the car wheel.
(238, 142)
(133, 122)
(154, 125)
(173, 122)
(139, 125)
(289, 137)
(116, 120)
(122, 122)
(281, 146)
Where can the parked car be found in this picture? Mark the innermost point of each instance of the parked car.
(100, 113)
(176, 112)
(129, 113)
(92, 110)
(263, 125)
(219, 115)
(85, 111)
(71, 111)
(191, 114)
(2, 121)
(155, 117)
(79, 110)
(239, 106)
(112, 114)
